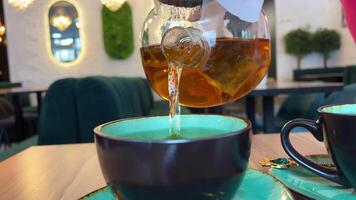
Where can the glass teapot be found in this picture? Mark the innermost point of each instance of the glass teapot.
(223, 56)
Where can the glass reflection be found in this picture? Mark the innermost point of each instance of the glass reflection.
(64, 31)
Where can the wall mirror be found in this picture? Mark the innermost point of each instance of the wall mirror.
(64, 28)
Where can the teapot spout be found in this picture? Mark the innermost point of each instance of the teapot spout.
(185, 47)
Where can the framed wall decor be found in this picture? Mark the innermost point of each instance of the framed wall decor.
(118, 32)
(64, 25)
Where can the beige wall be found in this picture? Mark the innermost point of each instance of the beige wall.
(29, 54)
(291, 14)
(31, 63)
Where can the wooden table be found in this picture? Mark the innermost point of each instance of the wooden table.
(16, 92)
(278, 88)
(71, 171)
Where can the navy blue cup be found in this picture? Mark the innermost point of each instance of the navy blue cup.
(202, 167)
(336, 127)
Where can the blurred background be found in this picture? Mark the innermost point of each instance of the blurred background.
(46, 41)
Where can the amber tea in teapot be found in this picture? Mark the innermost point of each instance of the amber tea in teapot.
(235, 67)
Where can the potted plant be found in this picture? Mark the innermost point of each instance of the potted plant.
(298, 43)
(325, 41)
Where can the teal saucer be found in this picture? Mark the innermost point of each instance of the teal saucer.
(310, 185)
(256, 185)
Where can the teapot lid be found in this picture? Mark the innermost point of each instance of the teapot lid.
(247, 10)
(182, 3)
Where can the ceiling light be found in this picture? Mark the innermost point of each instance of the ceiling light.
(113, 5)
(2, 30)
(61, 22)
(20, 5)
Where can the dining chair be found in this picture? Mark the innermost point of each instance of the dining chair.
(296, 106)
(347, 95)
(7, 121)
(349, 75)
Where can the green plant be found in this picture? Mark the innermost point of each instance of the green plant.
(298, 43)
(325, 41)
(118, 32)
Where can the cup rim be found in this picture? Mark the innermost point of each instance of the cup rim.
(320, 109)
(98, 132)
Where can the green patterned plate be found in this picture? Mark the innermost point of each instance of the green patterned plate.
(311, 185)
(256, 185)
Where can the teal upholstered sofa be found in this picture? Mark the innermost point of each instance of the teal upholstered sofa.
(73, 107)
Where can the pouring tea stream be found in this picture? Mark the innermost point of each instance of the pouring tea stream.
(183, 48)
